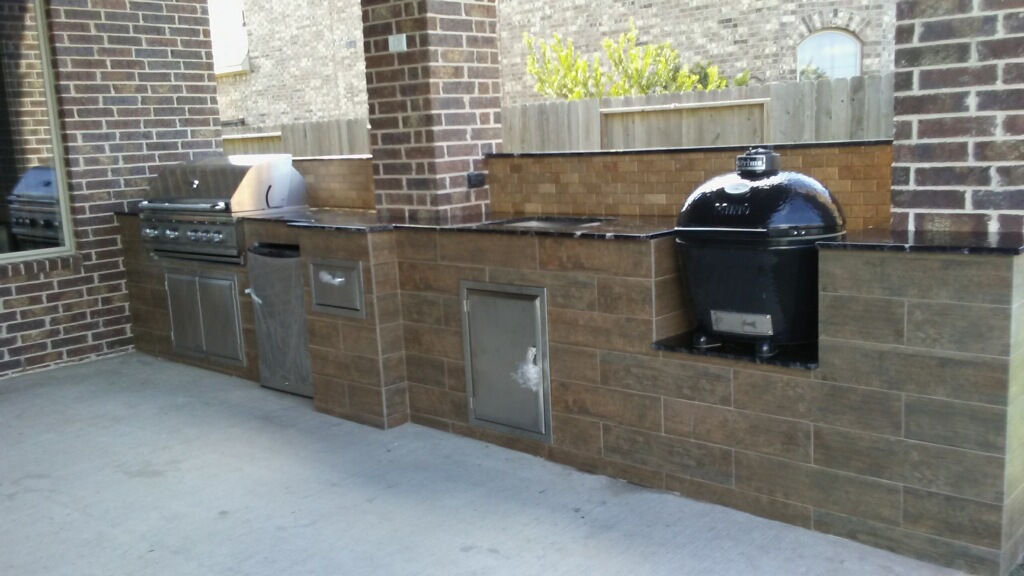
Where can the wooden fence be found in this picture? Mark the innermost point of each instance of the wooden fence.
(326, 138)
(859, 108)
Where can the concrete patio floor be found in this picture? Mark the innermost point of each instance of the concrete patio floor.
(135, 465)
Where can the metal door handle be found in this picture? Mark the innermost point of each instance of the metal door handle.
(255, 298)
(328, 278)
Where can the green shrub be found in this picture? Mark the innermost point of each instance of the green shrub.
(561, 72)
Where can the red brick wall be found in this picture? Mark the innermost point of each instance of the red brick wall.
(959, 149)
(434, 108)
(137, 90)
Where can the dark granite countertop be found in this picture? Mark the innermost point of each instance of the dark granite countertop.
(624, 227)
(1009, 243)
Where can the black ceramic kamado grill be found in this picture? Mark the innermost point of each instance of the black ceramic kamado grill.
(746, 248)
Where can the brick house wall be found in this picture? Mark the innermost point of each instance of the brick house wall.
(305, 64)
(759, 35)
(24, 88)
(136, 90)
(959, 141)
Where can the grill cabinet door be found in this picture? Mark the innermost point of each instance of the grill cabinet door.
(220, 319)
(506, 358)
(186, 324)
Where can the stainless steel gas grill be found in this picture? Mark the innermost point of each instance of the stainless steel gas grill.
(35, 210)
(193, 208)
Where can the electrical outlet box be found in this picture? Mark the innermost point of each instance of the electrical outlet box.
(396, 43)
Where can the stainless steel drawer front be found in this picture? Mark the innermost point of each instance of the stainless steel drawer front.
(337, 287)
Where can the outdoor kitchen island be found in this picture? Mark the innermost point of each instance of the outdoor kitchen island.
(908, 436)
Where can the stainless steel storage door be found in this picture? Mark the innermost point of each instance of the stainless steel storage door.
(505, 341)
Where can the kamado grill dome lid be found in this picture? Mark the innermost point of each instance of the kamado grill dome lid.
(758, 201)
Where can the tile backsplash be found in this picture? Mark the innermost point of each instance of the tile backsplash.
(656, 183)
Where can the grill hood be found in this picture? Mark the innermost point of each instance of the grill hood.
(231, 184)
(759, 200)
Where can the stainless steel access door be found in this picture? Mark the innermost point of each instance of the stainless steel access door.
(506, 352)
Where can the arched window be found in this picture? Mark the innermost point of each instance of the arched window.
(230, 41)
(828, 54)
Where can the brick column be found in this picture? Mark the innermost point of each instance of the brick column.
(959, 114)
(434, 105)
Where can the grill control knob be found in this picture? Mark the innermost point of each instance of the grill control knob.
(171, 233)
(150, 233)
(217, 237)
(193, 235)
(34, 222)
(49, 223)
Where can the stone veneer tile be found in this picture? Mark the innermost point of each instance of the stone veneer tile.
(818, 487)
(511, 442)
(1013, 516)
(383, 247)
(574, 364)
(385, 278)
(498, 250)
(749, 431)
(615, 406)
(455, 375)
(952, 517)
(964, 377)
(942, 277)
(837, 405)
(666, 260)
(861, 318)
(631, 473)
(439, 278)
(367, 400)
(1018, 280)
(329, 394)
(569, 291)
(335, 245)
(958, 424)
(390, 338)
(426, 370)
(1015, 447)
(577, 434)
(389, 308)
(358, 369)
(670, 378)
(602, 331)
(433, 341)
(970, 328)
(422, 308)
(624, 259)
(668, 296)
(950, 470)
(360, 340)
(436, 403)
(671, 455)
(396, 399)
(625, 296)
(756, 504)
(393, 369)
(418, 245)
(956, 555)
